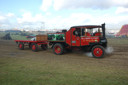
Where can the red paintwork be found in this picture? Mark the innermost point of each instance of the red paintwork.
(42, 43)
(78, 41)
(98, 52)
(74, 40)
(68, 37)
(98, 34)
(88, 34)
(89, 39)
(33, 47)
(29, 41)
(73, 37)
(57, 49)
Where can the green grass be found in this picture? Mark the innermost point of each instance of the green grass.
(13, 36)
(2, 34)
(118, 41)
(32, 71)
(18, 37)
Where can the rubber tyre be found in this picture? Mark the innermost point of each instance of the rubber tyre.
(34, 47)
(58, 49)
(98, 51)
(44, 46)
(21, 46)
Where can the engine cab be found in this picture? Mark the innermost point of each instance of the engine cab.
(86, 35)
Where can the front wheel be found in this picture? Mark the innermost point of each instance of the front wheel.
(98, 51)
(58, 49)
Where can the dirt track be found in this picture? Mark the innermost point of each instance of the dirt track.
(119, 58)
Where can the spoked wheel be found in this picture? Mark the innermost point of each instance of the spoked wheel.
(44, 47)
(58, 49)
(98, 51)
(21, 46)
(34, 47)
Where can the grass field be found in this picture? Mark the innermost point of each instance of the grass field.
(118, 41)
(44, 68)
(18, 37)
(13, 36)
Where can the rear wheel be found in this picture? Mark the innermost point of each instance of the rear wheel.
(58, 49)
(21, 46)
(34, 47)
(98, 51)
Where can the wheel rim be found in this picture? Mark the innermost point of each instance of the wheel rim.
(33, 47)
(57, 49)
(98, 52)
(20, 46)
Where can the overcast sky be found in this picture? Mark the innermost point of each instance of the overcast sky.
(60, 14)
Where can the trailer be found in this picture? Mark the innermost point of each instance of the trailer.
(85, 38)
(31, 44)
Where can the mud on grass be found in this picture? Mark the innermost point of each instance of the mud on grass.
(24, 67)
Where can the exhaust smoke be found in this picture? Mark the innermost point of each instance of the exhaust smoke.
(89, 54)
(109, 50)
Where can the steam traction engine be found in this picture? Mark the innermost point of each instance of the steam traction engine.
(87, 38)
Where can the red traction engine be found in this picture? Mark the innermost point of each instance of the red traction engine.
(86, 38)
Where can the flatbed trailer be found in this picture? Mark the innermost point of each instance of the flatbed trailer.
(32, 44)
